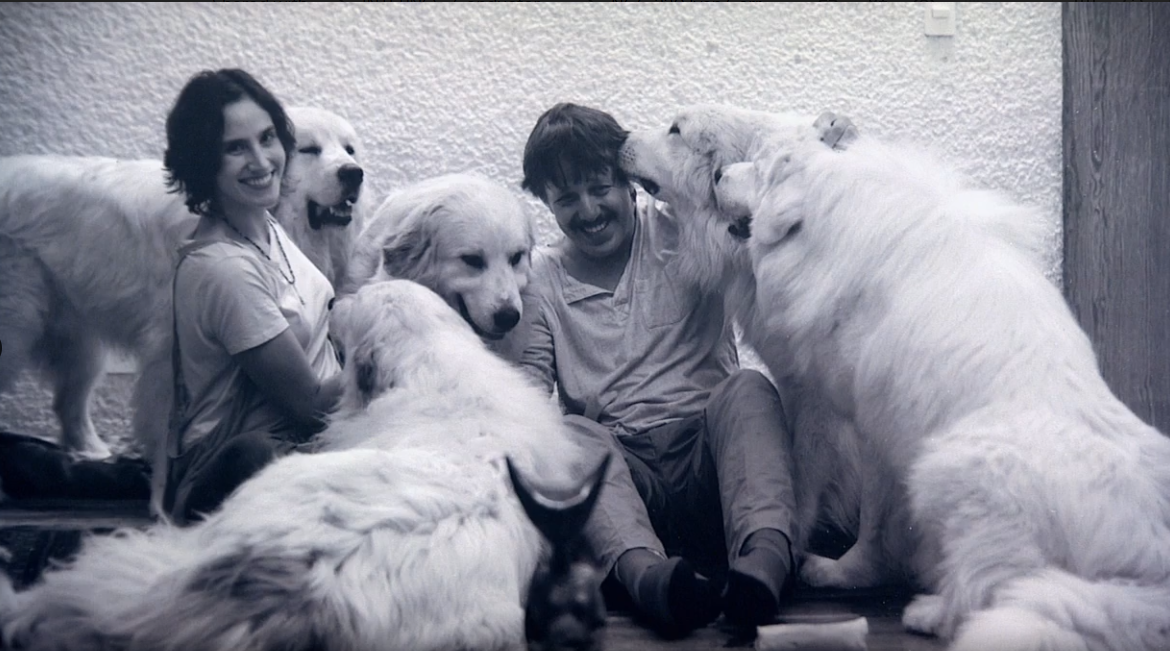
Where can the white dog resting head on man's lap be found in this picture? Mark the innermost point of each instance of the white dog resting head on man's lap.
(462, 235)
(918, 305)
(401, 534)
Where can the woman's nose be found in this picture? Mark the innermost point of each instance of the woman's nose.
(255, 155)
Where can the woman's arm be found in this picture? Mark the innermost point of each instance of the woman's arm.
(282, 373)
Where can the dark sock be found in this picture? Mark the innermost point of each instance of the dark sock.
(667, 592)
(757, 578)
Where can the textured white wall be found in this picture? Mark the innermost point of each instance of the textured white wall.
(439, 87)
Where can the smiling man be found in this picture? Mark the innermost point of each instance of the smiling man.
(647, 367)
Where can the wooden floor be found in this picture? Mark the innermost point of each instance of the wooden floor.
(33, 532)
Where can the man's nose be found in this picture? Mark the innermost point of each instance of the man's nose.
(590, 206)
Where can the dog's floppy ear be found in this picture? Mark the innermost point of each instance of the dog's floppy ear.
(370, 380)
(409, 251)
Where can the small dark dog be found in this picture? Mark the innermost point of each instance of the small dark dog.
(565, 609)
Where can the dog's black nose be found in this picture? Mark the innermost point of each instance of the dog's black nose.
(718, 174)
(350, 175)
(506, 319)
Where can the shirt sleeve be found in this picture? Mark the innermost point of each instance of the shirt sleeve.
(240, 310)
(530, 346)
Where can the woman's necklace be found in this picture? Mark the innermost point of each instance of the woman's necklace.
(291, 278)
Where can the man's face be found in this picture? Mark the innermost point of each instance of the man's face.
(596, 214)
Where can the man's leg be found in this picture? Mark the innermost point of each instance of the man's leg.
(666, 591)
(749, 438)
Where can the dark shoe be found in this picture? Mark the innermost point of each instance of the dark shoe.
(755, 582)
(674, 599)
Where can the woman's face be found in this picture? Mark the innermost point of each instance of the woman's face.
(251, 159)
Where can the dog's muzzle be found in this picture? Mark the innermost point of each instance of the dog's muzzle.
(341, 213)
(741, 228)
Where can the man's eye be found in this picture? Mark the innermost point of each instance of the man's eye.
(600, 191)
(473, 261)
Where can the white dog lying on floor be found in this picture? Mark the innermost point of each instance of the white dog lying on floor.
(1023, 496)
(402, 533)
(87, 252)
(462, 235)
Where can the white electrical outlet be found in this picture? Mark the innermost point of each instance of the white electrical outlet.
(940, 19)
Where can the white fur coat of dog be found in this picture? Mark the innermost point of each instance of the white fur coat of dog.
(463, 235)
(401, 532)
(1002, 473)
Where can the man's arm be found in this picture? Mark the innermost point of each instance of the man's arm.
(530, 345)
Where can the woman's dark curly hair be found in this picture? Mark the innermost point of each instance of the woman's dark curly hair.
(195, 131)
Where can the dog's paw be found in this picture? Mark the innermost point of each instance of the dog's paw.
(924, 614)
(823, 572)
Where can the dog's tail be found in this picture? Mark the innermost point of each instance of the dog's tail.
(1054, 610)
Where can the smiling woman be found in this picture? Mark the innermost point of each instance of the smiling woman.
(255, 370)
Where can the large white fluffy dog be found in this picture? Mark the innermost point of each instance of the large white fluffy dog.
(462, 235)
(87, 249)
(1026, 500)
(402, 533)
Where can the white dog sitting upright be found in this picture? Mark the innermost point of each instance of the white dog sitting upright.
(462, 235)
(402, 533)
(1036, 506)
(87, 252)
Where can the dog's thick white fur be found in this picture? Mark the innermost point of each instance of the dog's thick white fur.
(1028, 502)
(401, 533)
(677, 164)
(87, 250)
(464, 236)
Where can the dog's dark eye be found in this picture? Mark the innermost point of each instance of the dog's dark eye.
(516, 258)
(473, 261)
(349, 150)
(313, 150)
(674, 129)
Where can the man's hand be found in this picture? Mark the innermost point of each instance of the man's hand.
(836, 131)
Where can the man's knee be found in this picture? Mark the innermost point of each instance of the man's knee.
(591, 433)
(745, 387)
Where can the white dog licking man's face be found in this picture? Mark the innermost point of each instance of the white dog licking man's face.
(465, 237)
(1004, 474)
